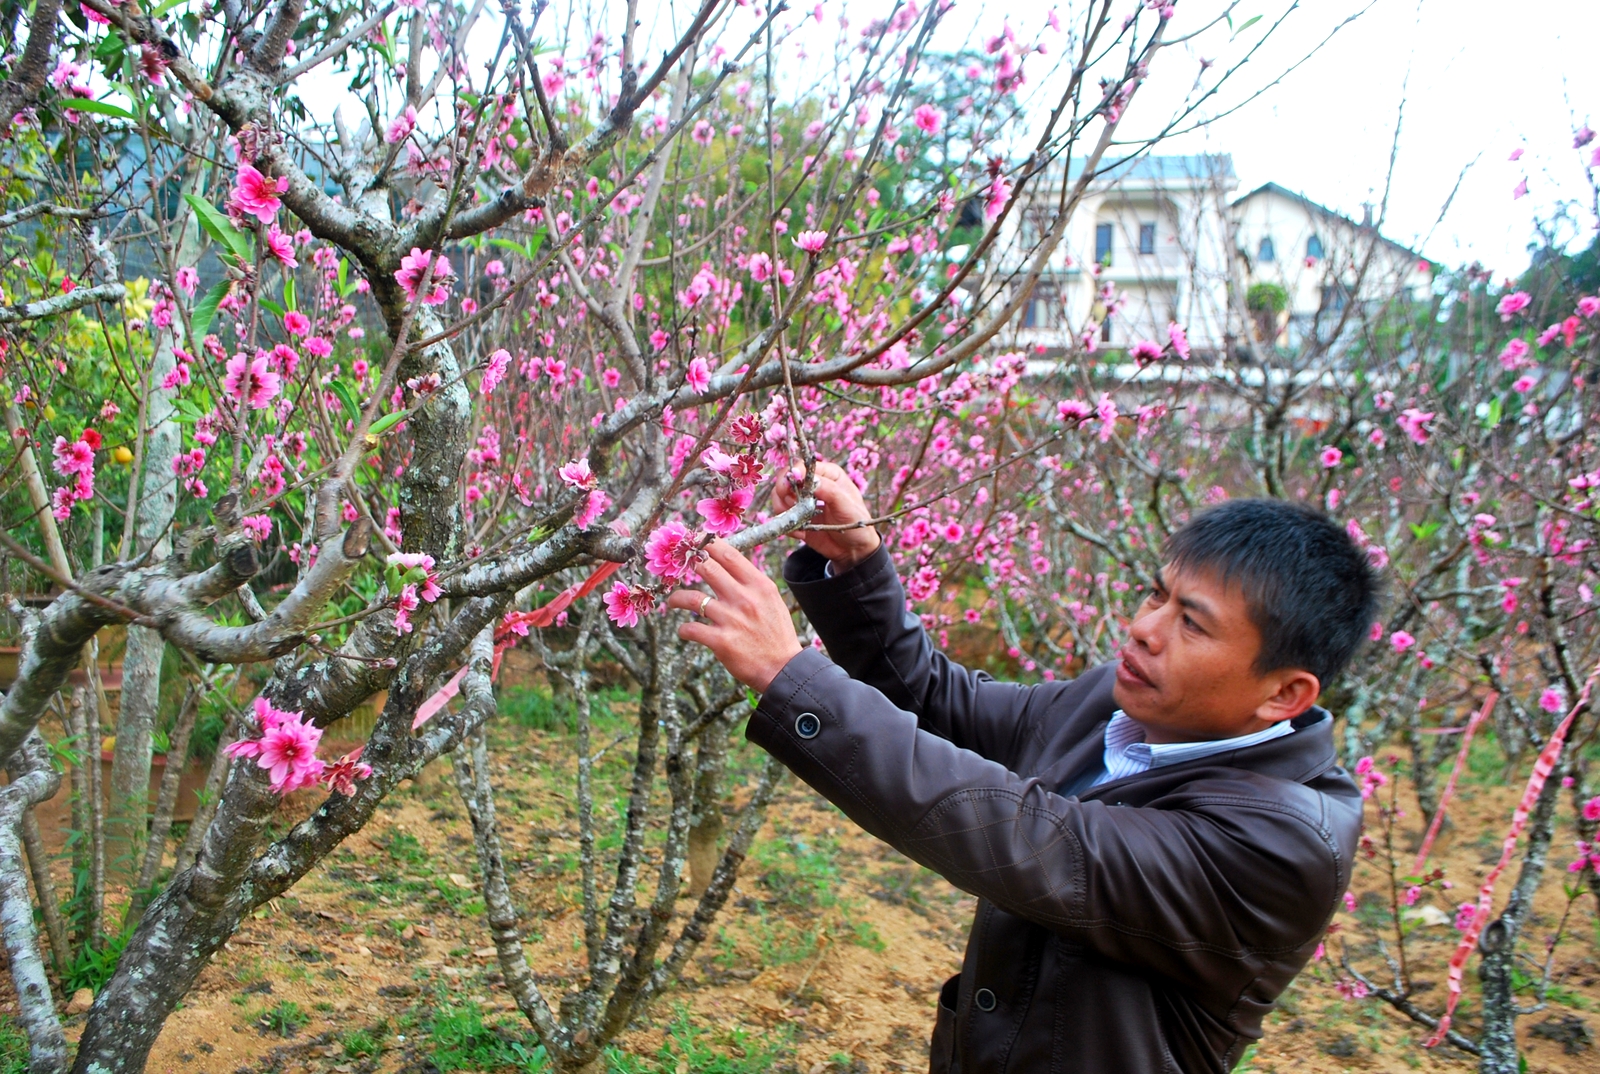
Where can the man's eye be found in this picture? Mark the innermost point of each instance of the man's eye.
(1191, 624)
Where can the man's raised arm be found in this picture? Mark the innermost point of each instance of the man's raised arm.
(848, 587)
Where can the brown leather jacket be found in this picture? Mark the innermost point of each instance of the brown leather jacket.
(1147, 924)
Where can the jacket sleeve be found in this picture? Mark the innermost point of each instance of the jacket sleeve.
(862, 619)
(1172, 889)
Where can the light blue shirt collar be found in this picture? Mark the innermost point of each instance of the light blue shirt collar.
(1128, 754)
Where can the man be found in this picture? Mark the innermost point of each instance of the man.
(1157, 846)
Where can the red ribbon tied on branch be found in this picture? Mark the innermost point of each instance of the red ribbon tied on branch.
(1542, 768)
(515, 625)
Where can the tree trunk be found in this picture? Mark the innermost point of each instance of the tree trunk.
(141, 666)
(1499, 1039)
(705, 832)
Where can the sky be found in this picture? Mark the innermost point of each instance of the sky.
(1478, 78)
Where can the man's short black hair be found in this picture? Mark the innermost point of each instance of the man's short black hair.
(1310, 589)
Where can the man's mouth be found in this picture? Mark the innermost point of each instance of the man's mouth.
(1132, 670)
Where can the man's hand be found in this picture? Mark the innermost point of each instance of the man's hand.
(841, 504)
(746, 625)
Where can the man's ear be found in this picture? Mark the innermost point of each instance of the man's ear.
(1297, 691)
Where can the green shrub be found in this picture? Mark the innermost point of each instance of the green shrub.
(1266, 298)
(93, 964)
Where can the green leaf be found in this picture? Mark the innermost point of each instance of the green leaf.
(219, 227)
(347, 398)
(388, 421)
(1425, 530)
(186, 412)
(1491, 420)
(535, 241)
(104, 108)
(288, 292)
(507, 244)
(1246, 24)
(205, 310)
(166, 6)
(344, 277)
(268, 304)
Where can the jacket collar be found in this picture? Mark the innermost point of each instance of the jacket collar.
(1297, 758)
(1079, 742)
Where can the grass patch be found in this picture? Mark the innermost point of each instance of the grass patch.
(286, 1019)
(363, 1043)
(461, 1040)
(537, 709)
(706, 1051)
(13, 1047)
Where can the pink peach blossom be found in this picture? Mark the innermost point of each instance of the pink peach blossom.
(577, 475)
(624, 604)
(670, 551)
(698, 377)
(280, 246)
(724, 514)
(250, 381)
(256, 195)
(494, 372)
(1512, 304)
(340, 776)
(1180, 340)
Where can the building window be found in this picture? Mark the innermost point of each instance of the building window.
(1102, 244)
(1334, 298)
(1314, 247)
(1147, 238)
(1040, 311)
(1266, 253)
(1105, 330)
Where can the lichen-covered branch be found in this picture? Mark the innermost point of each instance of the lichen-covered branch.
(33, 780)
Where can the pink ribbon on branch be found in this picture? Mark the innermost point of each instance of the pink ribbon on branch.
(515, 625)
(1455, 774)
(1542, 767)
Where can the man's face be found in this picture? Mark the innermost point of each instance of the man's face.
(1187, 672)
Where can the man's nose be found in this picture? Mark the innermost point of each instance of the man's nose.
(1146, 630)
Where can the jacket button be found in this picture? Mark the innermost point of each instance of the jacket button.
(984, 999)
(806, 725)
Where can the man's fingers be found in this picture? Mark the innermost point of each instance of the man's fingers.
(728, 558)
(696, 631)
(717, 576)
(687, 600)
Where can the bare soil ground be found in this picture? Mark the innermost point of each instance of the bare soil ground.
(828, 960)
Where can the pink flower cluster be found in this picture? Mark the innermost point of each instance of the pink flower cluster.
(409, 277)
(287, 749)
(672, 551)
(418, 585)
(74, 459)
(577, 476)
(1371, 776)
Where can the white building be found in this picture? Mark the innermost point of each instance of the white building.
(1164, 239)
